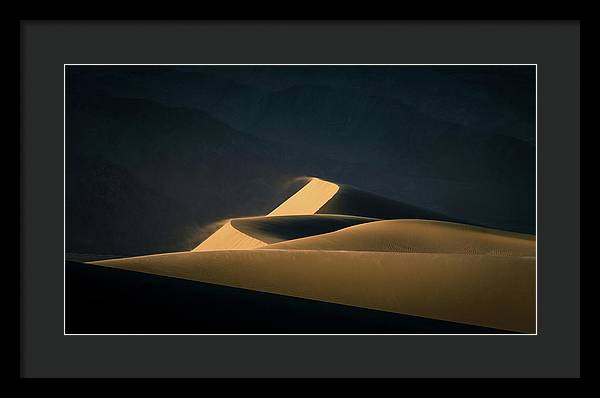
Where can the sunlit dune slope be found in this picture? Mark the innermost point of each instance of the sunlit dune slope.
(492, 291)
(308, 200)
(417, 236)
(254, 232)
(324, 197)
(227, 237)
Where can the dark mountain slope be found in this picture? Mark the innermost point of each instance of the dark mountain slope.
(172, 169)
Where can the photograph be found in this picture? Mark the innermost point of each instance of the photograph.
(300, 199)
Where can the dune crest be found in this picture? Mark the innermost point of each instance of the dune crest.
(316, 197)
(229, 238)
(255, 232)
(417, 236)
(308, 200)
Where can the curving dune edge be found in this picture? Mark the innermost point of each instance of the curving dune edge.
(417, 236)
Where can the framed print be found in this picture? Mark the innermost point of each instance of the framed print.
(389, 199)
(300, 199)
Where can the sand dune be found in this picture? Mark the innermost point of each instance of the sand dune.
(229, 238)
(112, 300)
(316, 197)
(492, 291)
(417, 236)
(308, 200)
(334, 243)
(324, 197)
(255, 232)
(351, 201)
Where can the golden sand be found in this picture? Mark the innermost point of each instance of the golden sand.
(228, 238)
(417, 236)
(307, 200)
(426, 268)
(492, 291)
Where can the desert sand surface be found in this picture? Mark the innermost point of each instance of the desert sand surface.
(324, 197)
(307, 201)
(255, 232)
(491, 291)
(316, 197)
(417, 236)
(228, 238)
(336, 244)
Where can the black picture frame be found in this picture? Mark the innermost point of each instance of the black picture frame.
(45, 46)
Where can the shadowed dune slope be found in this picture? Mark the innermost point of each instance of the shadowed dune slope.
(418, 236)
(307, 201)
(491, 291)
(351, 201)
(324, 197)
(272, 229)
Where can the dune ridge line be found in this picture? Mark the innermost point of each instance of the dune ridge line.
(416, 236)
(307, 201)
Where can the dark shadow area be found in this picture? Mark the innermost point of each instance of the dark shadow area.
(276, 229)
(349, 200)
(156, 154)
(103, 300)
